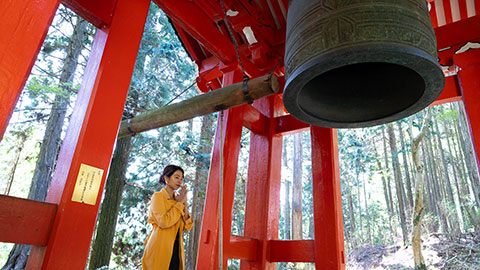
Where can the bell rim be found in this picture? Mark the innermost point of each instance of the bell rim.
(407, 56)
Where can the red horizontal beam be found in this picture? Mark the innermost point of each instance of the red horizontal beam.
(98, 13)
(242, 248)
(25, 221)
(459, 32)
(288, 124)
(292, 251)
(451, 92)
(187, 15)
(254, 120)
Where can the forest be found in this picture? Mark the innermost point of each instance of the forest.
(408, 188)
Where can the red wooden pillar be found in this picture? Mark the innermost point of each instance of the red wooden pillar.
(469, 82)
(327, 202)
(91, 136)
(23, 27)
(232, 131)
(262, 211)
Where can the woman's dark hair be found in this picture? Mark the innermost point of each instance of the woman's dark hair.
(168, 171)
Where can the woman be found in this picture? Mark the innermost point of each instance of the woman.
(169, 217)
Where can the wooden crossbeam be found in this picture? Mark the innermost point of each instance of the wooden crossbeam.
(25, 221)
(288, 124)
(254, 120)
(223, 98)
(242, 248)
(292, 251)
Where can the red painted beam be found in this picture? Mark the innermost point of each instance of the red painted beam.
(23, 27)
(194, 21)
(254, 120)
(451, 92)
(25, 221)
(191, 45)
(242, 248)
(469, 83)
(292, 251)
(458, 32)
(288, 124)
(262, 210)
(232, 133)
(98, 13)
(208, 73)
(327, 201)
(90, 137)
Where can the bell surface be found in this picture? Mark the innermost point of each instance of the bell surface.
(359, 63)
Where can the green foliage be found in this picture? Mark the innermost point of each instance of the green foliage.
(45, 89)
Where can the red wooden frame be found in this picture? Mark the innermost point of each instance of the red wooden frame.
(25, 221)
(24, 25)
(62, 229)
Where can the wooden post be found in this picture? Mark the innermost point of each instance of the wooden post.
(262, 211)
(91, 136)
(469, 83)
(227, 97)
(208, 246)
(327, 202)
(24, 25)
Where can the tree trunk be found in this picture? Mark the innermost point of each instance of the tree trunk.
(385, 152)
(297, 187)
(369, 232)
(384, 182)
(405, 165)
(430, 193)
(419, 262)
(287, 210)
(465, 189)
(437, 194)
(52, 137)
(202, 163)
(444, 164)
(384, 185)
(351, 209)
(22, 137)
(457, 175)
(468, 153)
(107, 219)
(360, 227)
(398, 183)
(392, 221)
(447, 184)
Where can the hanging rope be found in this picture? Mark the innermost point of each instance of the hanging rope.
(250, 100)
(190, 86)
(234, 41)
(220, 198)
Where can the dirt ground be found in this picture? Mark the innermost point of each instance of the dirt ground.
(461, 253)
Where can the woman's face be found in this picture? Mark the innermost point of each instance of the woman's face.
(175, 181)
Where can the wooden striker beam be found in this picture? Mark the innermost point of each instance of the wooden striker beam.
(223, 98)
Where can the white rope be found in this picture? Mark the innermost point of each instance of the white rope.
(220, 198)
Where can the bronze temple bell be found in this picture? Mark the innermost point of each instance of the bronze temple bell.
(359, 63)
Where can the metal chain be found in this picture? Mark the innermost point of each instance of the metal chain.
(234, 41)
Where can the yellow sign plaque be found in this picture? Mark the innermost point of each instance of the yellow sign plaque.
(87, 185)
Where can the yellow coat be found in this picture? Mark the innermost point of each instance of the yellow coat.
(167, 216)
